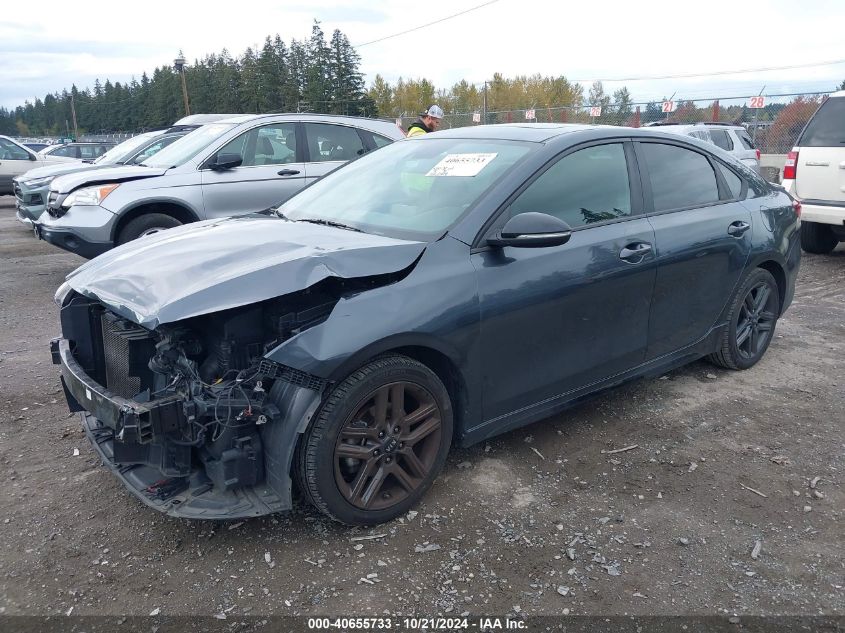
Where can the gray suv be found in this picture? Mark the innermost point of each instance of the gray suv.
(235, 166)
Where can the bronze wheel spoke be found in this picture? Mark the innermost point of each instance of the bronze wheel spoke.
(354, 451)
(358, 433)
(423, 430)
(397, 403)
(420, 414)
(381, 398)
(374, 487)
(405, 480)
(358, 485)
(415, 466)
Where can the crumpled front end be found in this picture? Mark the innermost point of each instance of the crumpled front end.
(191, 416)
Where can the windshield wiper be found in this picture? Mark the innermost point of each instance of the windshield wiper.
(337, 225)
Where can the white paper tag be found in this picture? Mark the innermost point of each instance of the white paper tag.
(461, 164)
(88, 393)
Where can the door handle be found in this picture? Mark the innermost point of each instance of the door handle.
(288, 172)
(634, 253)
(738, 228)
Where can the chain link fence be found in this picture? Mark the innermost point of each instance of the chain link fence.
(774, 122)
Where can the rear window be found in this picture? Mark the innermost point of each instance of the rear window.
(827, 127)
(746, 141)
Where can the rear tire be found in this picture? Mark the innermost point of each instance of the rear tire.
(817, 238)
(378, 442)
(145, 225)
(752, 319)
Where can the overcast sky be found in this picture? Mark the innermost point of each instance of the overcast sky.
(77, 42)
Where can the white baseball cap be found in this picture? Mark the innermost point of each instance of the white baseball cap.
(434, 111)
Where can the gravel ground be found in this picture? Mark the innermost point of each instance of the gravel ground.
(730, 502)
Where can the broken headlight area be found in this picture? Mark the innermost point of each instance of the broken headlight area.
(192, 413)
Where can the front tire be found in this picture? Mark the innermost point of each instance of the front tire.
(146, 224)
(817, 238)
(752, 319)
(380, 439)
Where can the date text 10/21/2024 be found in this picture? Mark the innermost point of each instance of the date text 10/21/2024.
(417, 624)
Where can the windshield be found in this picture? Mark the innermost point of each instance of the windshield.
(121, 152)
(188, 146)
(412, 190)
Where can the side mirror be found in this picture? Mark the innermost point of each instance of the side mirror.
(222, 162)
(32, 157)
(532, 230)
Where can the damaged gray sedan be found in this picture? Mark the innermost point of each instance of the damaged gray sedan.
(439, 291)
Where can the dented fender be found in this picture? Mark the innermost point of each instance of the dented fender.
(401, 314)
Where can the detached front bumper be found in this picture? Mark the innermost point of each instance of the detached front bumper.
(127, 435)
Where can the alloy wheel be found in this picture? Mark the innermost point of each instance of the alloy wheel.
(388, 446)
(756, 320)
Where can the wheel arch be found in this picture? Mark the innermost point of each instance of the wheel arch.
(429, 351)
(777, 271)
(178, 210)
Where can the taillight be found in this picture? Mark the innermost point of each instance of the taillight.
(758, 153)
(796, 206)
(791, 166)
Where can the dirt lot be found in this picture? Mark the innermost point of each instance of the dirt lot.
(535, 522)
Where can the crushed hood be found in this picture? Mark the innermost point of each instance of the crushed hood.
(115, 173)
(219, 264)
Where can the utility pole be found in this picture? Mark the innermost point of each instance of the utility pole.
(73, 114)
(179, 65)
(484, 106)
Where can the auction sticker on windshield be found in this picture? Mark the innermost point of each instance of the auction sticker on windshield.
(461, 164)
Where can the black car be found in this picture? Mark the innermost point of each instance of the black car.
(438, 291)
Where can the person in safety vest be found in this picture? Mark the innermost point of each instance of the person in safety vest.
(429, 121)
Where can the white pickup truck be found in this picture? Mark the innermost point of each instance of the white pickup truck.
(815, 174)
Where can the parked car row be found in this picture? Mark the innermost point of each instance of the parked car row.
(16, 159)
(235, 165)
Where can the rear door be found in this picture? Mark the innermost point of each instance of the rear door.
(272, 171)
(330, 146)
(702, 237)
(821, 158)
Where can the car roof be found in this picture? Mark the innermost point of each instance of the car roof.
(363, 122)
(533, 132)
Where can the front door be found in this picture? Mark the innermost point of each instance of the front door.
(557, 319)
(703, 240)
(272, 171)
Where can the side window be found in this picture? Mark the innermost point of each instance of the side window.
(269, 145)
(333, 142)
(722, 139)
(734, 181)
(10, 151)
(66, 151)
(587, 186)
(679, 177)
(381, 141)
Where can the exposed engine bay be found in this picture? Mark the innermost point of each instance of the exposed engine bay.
(192, 415)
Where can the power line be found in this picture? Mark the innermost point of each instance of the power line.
(422, 26)
(719, 72)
